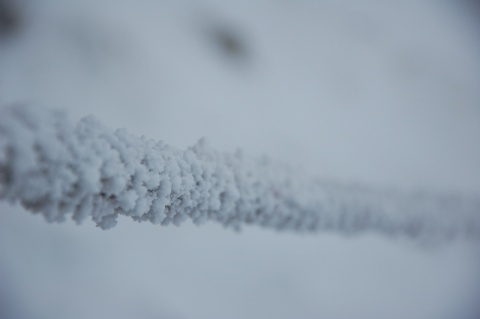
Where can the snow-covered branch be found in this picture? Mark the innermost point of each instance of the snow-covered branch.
(56, 167)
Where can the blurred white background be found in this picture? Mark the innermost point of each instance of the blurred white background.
(384, 93)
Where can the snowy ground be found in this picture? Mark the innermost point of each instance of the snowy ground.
(382, 93)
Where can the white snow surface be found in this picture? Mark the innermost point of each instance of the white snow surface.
(374, 93)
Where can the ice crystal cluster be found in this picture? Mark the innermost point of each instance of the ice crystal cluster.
(58, 168)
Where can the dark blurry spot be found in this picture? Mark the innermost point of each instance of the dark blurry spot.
(229, 43)
(10, 18)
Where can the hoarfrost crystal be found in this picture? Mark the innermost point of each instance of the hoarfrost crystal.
(56, 167)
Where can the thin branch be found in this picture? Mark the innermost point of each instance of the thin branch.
(56, 167)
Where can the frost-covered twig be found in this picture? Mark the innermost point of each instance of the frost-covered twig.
(55, 167)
